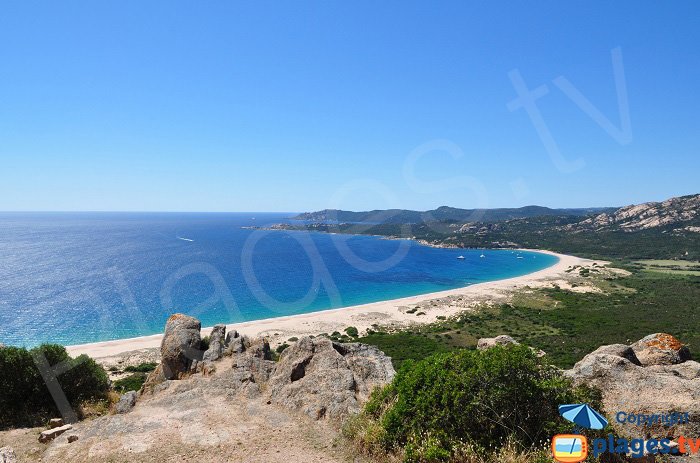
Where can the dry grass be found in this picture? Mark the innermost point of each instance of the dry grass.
(95, 408)
(509, 453)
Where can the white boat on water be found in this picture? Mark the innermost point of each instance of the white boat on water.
(482, 255)
(520, 257)
(460, 257)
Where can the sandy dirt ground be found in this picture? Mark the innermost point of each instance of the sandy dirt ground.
(194, 420)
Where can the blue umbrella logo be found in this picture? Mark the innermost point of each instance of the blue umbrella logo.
(583, 415)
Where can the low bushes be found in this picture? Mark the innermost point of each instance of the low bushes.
(141, 368)
(475, 401)
(130, 383)
(25, 399)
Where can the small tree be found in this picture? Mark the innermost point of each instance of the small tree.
(25, 399)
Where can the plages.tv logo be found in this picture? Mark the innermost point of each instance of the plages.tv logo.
(573, 448)
(569, 448)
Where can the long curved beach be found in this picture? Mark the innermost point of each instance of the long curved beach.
(363, 316)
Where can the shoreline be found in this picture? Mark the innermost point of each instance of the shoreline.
(391, 312)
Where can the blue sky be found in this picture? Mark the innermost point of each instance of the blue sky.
(290, 106)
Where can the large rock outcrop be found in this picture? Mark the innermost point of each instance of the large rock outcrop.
(179, 350)
(650, 377)
(180, 347)
(327, 379)
(324, 379)
(660, 349)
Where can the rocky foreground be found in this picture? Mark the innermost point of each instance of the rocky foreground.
(233, 402)
(654, 375)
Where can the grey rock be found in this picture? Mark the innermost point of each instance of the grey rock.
(126, 402)
(688, 370)
(252, 368)
(660, 349)
(180, 347)
(502, 340)
(236, 345)
(51, 434)
(631, 388)
(213, 353)
(7, 455)
(618, 350)
(325, 379)
(216, 344)
(230, 336)
(370, 366)
(154, 381)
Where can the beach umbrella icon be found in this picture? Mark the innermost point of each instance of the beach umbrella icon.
(583, 415)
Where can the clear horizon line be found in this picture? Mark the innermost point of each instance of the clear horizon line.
(122, 211)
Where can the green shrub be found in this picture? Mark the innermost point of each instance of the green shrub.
(282, 347)
(403, 345)
(483, 398)
(293, 339)
(25, 399)
(130, 383)
(141, 368)
(204, 343)
(352, 331)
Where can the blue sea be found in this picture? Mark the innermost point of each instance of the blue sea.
(74, 278)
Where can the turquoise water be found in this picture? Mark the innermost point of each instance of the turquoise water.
(84, 277)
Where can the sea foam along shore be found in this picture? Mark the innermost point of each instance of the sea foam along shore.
(384, 313)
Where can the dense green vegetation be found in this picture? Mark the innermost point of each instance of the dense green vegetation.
(25, 400)
(480, 399)
(132, 382)
(141, 368)
(539, 233)
(445, 213)
(565, 324)
(408, 345)
(669, 233)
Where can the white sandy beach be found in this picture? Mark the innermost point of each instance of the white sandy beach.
(384, 313)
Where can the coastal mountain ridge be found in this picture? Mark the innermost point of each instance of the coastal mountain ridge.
(446, 213)
(633, 217)
(669, 229)
(644, 216)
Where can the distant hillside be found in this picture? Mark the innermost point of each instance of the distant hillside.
(658, 230)
(446, 214)
(683, 210)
